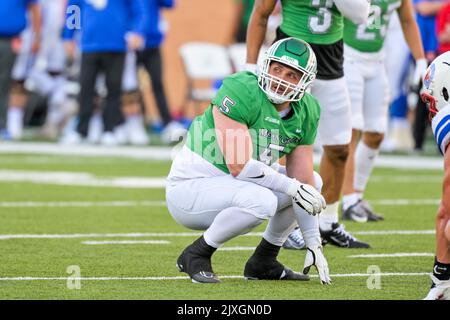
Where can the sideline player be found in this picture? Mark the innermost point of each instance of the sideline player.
(369, 95)
(222, 180)
(436, 93)
(320, 23)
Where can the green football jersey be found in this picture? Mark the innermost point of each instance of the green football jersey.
(369, 37)
(241, 99)
(315, 21)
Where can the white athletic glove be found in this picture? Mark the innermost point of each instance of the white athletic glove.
(252, 67)
(309, 199)
(441, 290)
(315, 257)
(419, 71)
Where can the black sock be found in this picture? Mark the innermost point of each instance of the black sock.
(441, 270)
(266, 251)
(201, 248)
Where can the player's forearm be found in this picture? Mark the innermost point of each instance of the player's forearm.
(412, 35)
(257, 27)
(300, 165)
(355, 10)
(260, 173)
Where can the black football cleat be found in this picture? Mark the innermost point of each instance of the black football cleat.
(339, 237)
(197, 265)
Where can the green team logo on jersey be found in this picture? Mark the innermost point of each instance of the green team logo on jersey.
(369, 37)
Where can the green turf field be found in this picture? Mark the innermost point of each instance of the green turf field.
(45, 228)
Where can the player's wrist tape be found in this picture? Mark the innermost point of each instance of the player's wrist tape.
(260, 173)
(441, 128)
(441, 270)
(251, 67)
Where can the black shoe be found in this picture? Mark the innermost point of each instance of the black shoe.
(195, 260)
(257, 270)
(371, 215)
(356, 212)
(337, 236)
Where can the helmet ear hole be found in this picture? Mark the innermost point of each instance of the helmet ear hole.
(445, 93)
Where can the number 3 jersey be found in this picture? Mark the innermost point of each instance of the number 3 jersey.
(272, 136)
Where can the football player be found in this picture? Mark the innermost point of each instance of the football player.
(369, 95)
(320, 23)
(222, 180)
(436, 93)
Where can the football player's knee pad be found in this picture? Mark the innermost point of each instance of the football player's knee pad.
(260, 202)
(18, 87)
(131, 97)
(318, 182)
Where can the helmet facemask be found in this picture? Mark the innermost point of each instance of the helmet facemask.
(295, 54)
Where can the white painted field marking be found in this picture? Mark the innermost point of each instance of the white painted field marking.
(393, 255)
(406, 179)
(394, 232)
(59, 204)
(348, 275)
(182, 234)
(237, 249)
(166, 153)
(96, 235)
(161, 203)
(406, 202)
(126, 242)
(80, 179)
(150, 153)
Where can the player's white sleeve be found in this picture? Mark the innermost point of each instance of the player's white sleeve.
(304, 195)
(260, 173)
(355, 10)
(441, 128)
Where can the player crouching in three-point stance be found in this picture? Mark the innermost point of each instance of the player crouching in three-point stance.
(225, 180)
(436, 91)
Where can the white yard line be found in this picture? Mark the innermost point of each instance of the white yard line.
(126, 242)
(237, 249)
(69, 204)
(183, 234)
(150, 153)
(393, 255)
(167, 153)
(406, 202)
(161, 203)
(80, 179)
(347, 275)
(393, 232)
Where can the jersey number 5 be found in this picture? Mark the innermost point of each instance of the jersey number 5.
(227, 103)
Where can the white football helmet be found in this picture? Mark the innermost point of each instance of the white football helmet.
(436, 84)
(294, 53)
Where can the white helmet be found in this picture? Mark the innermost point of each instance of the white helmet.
(294, 53)
(436, 84)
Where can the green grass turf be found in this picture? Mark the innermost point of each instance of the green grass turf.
(51, 257)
